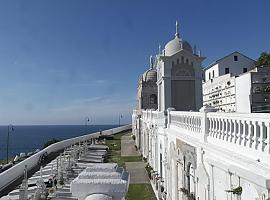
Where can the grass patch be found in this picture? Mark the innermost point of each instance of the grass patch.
(141, 191)
(114, 145)
(115, 157)
(132, 158)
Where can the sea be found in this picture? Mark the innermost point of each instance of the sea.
(29, 138)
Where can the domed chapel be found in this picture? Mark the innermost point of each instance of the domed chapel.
(174, 78)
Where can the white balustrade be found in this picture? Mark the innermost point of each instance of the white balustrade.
(249, 130)
(191, 121)
(246, 130)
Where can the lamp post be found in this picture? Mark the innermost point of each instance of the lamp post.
(120, 116)
(10, 129)
(86, 120)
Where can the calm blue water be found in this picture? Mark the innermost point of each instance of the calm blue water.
(30, 138)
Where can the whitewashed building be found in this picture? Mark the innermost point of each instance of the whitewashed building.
(179, 68)
(147, 89)
(253, 91)
(234, 64)
(219, 88)
(203, 154)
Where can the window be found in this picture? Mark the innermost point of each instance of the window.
(187, 61)
(227, 70)
(182, 59)
(244, 69)
(209, 75)
(213, 72)
(235, 58)
(177, 61)
(153, 99)
(172, 63)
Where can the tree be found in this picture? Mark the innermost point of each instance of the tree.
(264, 59)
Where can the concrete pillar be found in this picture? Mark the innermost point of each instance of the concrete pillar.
(205, 121)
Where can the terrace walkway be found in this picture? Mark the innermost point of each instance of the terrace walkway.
(140, 187)
(136, 169)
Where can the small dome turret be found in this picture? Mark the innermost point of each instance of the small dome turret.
(177, 44)
(150, 74)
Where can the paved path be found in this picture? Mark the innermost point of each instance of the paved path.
(128, 146)
(137, 170)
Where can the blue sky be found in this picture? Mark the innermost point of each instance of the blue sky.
(62, 60)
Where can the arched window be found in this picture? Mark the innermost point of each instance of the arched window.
(153, 99)
(182, 59)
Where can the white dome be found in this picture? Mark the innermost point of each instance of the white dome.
(176, 45)
(150, 75)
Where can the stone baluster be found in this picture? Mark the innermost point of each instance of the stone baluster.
(233, 130)
(255, 135)
(249, 135)
(234, 133)
(225, 136)
(214, 127)
(267, 148)
(244, 135)
(239, 134)
(210, 126)
(225, 126)
(198, 125)
(262, 138)
(188, 123)
(195, 125)
(219, 127)
(192, 123)
(228, 130)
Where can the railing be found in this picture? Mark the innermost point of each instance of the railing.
(228, 130)
(247, 130)
(190, 121)
(10, 175)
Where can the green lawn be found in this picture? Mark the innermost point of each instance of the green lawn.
(115, 151)
(136, 191)
(141, 191)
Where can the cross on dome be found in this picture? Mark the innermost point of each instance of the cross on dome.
(177, 29)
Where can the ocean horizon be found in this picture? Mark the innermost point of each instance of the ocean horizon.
(28, 138)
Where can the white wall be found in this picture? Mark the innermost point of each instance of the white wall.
(243, 89)
(236, 67)
(214, 68)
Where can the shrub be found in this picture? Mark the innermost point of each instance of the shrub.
(49, 142)
(149, 169)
